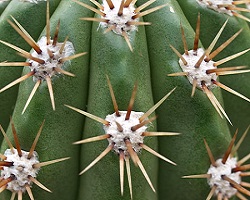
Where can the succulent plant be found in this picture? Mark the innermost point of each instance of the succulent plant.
(120, 56)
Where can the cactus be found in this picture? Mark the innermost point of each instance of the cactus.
(105, 78)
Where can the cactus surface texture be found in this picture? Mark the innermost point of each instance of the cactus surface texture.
(124, 99)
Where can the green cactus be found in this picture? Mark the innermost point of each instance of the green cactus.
(116, 64)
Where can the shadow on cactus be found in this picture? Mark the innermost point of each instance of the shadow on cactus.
(120, 16)
(229, 7)
(202, 72)
(19, 168)
(125, 132)
(45, 62)
(224, 174)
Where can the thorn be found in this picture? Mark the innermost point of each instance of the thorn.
(198, 63)
(159, 134)
(240, 2)
(151, 110)
(93, 19)
(129, 23)
(217, 63)
(236, 185)
(129, 176)
(51, 94)
(240, 196)
(141, 7)
(16, 138)
(127, 3)
(63, 45)
(6, 164)
(229, 149)
(147, 148)
(51, 55)
(120, 12)
(42, 164)
(211, 193)
(72, 57)
(145, 173)
(230, 90)
(241, 168)
(97, 4)
(141, 14)
(237, 9)
(211, 46)
(59, 70)
(32, 149)
(184, 41)
(198, 176)
(110, 28)
(47, 23)
(29, 56)
(13, 195)
(98, 119)
(125, 35)
(223, 46)
(121, 161)
(110, 4)
(55, 39)
(6, 181)
(197, 33)
(244, 174)
(240, 141)
(26, 37)
(15, 47)
(179, 74)
(7, 140)
(90, 8)
(29, 192)
(143, 123)
(131, 102)
(2, 157)
(15, 64)
(232, 72)
(119, 127)
(215, 102)
(112, 94)
(93, 139)
(194, 87)
(216, 70)
(243, 160)
(19, 195)
(39, 184)
(31, 95)
(245, 184)
(22, 29)
(210, 155)
(179, 55)
(3, 188)
(131, 151)
(104, 153)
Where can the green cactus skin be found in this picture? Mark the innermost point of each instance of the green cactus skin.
(8, 34)
(62, 127)
(149, 63)
(3, 5)
(194, 117)
(124, 68)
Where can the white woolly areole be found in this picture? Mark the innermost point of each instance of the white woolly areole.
(22, 168)
(119, 21)
(198, 73)
(117, 138)
(47, 69)
(217, 5)
(221, 169)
